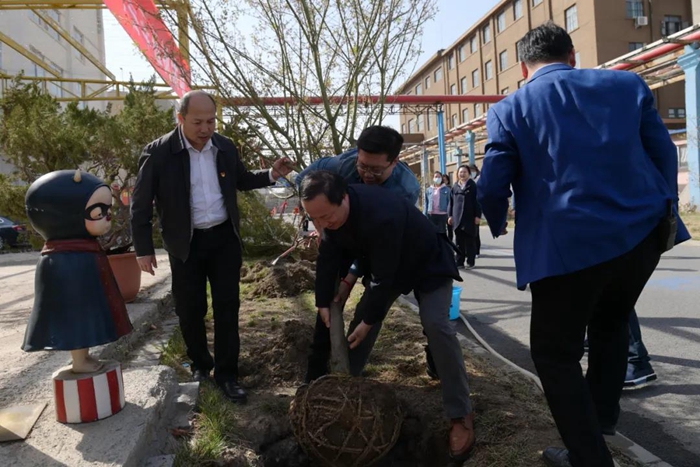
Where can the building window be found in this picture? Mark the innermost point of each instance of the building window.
(503, 60)
(453, 89)
(403, 128)
(477, 111)
(428, 120)
(411, 127)
(463, 84)
(450, 62)
(489, 71)
(80, 39)
(676, 113)
(636, 46)
(517, 9)
(473, 44)
(501, 22)
(100, 25)
(487, 33)
(56, 16)
(505, 91)
(55, 89)
(419, 89)
(465, 115)
(521, 83)
(571, 18)
(536, 2)
(671, 25)
(462, 53)
(578, 60)
(427, 82)
(475, 77)
(635, 8)
(419, 123)
(454, 120)
(438, 74)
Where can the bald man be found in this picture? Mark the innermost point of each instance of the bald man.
(193, 175)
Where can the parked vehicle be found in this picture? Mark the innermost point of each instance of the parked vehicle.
(10, 232)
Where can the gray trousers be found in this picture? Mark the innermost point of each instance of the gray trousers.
(434, 310)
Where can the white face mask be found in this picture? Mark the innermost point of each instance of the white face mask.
(437, 181)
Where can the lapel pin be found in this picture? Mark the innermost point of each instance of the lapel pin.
(223, 174)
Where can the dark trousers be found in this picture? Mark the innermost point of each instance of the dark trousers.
(440, 221)
(466, 244)
(599, 297)
(637, 353)
(215, 255)
(450, 232)
(321, 344)
(478, 241)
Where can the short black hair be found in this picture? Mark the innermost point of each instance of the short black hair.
(323, 182)
(379, 139)
(185, 101)
(545, 44)
(437, 172)
(469, 170)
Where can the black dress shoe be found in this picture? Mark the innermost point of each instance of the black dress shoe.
(556, 457)
(233, 391)
(200, 375)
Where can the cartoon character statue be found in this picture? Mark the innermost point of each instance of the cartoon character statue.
(77, 304)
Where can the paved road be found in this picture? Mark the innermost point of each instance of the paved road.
(663, 417)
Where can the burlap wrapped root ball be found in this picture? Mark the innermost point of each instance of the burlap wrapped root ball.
(346, 422)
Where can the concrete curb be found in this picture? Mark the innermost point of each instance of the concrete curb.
(628, 447)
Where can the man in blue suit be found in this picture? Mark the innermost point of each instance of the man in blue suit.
(595, 174)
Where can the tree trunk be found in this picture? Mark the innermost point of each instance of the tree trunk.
(340, 362)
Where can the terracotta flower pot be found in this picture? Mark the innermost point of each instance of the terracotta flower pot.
(127, 273)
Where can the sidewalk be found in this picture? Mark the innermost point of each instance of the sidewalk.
(25, 378)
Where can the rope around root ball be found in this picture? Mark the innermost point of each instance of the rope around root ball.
(345, 421)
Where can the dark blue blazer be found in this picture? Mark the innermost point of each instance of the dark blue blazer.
(590, 162)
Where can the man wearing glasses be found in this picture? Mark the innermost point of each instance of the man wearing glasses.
(373, 162)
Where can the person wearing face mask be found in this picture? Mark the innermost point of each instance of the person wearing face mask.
(437, 199)
(374, 161)
(448, 183)
(465, 216)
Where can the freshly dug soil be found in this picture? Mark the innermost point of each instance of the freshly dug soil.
(512, 420)
(286, 279)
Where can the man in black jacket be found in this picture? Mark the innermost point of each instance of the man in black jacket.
(401, 252)
(193, 173)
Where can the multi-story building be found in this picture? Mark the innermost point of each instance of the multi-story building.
(30, 31)
(484, 60)
(60, 59)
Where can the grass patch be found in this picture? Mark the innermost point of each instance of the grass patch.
(174, 354)
(692, 222)
(216, 440)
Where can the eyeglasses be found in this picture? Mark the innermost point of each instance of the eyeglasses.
(104, 210)
(374, 171)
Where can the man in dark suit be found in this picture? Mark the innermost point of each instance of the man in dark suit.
(594, 172)
(192, 174)
(401, 252)
(465, 215)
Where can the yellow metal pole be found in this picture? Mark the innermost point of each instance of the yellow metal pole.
(183, 29)
(75, 44)
(31, 56)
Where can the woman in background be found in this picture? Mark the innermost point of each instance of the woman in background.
(464, 215)
(448, 183)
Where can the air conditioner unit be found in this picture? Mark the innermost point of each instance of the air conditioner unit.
(640, 21)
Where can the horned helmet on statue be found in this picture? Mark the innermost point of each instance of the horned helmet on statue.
(77, 303)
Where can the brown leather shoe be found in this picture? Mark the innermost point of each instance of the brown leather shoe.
(462, 437)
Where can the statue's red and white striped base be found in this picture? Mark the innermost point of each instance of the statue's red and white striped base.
(88, 397)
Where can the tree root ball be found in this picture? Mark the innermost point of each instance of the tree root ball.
(346, 422)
